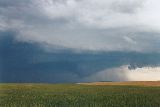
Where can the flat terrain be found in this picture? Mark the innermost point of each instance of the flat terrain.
(131, 83)
(78, 95)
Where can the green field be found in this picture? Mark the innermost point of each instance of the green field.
(74, 95)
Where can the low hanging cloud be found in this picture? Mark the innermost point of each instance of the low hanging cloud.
(29, 62)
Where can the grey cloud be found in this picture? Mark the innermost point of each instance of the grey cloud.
(80, 38)
(81, 24)
(128, 7)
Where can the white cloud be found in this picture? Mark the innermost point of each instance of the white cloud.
(149, 14)
(124, 74)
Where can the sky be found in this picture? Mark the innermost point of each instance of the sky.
(58, 41)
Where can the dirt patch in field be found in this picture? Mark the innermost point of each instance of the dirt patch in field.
(131, 83)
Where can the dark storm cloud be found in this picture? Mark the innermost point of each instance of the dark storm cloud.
(28, 62)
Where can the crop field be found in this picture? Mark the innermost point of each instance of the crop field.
(78, 95)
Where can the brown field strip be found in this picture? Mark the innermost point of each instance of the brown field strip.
(131, 83)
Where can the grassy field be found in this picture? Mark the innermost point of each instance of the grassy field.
(76, 95)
